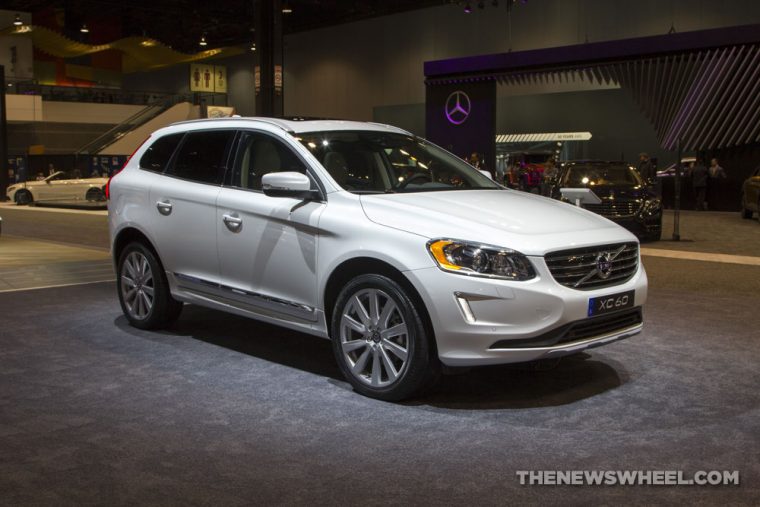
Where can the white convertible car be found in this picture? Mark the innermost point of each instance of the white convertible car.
(57, 187)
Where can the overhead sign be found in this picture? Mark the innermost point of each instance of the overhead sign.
(208, 78)
(535, 138)
(277, 79)
(220, 79)
(219, 111)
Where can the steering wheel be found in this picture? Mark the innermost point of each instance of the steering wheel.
(415, 176)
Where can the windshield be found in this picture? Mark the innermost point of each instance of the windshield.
(593, 175)
(380, 162)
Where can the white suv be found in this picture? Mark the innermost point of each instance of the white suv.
(402, 254)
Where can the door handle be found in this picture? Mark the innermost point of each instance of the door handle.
(164, 207)
(233, 222)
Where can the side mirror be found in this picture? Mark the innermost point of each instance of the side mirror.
(485, 173)
(288, 184)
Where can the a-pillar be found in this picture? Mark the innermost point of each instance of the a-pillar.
(269, 72)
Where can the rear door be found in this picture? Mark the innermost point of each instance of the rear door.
(56, 187)
(184, 207)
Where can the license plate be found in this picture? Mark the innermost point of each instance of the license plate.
(611, 303)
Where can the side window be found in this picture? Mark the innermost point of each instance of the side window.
(202, 157)
(157, 156)
(259, 154)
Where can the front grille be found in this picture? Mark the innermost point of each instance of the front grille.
(578, 268)
(615, 208)
(577, 331)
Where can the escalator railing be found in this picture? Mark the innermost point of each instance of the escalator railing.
(140, 118)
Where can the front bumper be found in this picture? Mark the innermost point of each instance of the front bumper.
(641, 226)
(480, 321)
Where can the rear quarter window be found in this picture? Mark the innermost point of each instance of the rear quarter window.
(202, 157)
(157, 156)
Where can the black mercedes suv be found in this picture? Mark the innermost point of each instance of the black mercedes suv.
(626, 198)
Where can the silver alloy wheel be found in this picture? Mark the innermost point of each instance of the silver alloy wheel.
(137, 287)
(374, 338)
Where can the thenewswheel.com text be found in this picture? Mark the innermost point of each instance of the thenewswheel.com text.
(627, 478)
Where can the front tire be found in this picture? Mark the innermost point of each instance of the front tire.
(380, 341)
(143, 289)
(23, 197)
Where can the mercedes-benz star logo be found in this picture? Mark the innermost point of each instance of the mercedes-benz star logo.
(457, 107)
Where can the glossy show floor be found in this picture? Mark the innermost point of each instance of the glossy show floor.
(223, 410)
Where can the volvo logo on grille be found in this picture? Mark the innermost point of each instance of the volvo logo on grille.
(604, 265)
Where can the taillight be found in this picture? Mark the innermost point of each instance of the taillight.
(107, 188)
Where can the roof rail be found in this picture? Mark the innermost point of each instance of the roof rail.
(263, 119)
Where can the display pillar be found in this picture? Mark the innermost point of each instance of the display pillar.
(3, 138)
(268, 71)
(461, 117)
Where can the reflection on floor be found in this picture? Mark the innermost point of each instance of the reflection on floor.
(28, 264)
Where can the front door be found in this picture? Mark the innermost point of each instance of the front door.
(267, 245)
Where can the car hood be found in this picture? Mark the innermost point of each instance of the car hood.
(621, 191)
(525, 222)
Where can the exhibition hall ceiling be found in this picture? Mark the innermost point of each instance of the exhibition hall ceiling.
(180, 24)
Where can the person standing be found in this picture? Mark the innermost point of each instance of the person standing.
(715, 173)
(646, 168)
(699, 183)
(478, 163)
(550, 174)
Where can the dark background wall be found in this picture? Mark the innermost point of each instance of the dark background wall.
(476, 132)
(619, 129)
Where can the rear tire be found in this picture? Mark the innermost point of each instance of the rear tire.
(143, 289)
(23, 197)
(380, 341)
(95, 195)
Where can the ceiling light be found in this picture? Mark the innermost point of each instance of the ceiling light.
(84, 28)
(286, 8)
(203, 41)
(17, 21)
(467, 8)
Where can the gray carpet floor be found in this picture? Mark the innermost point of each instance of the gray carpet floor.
(225, 411)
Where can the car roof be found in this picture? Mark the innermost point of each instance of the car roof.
(293, 125)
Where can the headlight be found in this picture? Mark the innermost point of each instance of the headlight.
(651, 206)
(475, 259)
(11, 188)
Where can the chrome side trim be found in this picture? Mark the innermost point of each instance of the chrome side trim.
(273, 303)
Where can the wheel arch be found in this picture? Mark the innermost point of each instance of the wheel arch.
(356, 266)
(131, 235)
(22, 190)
